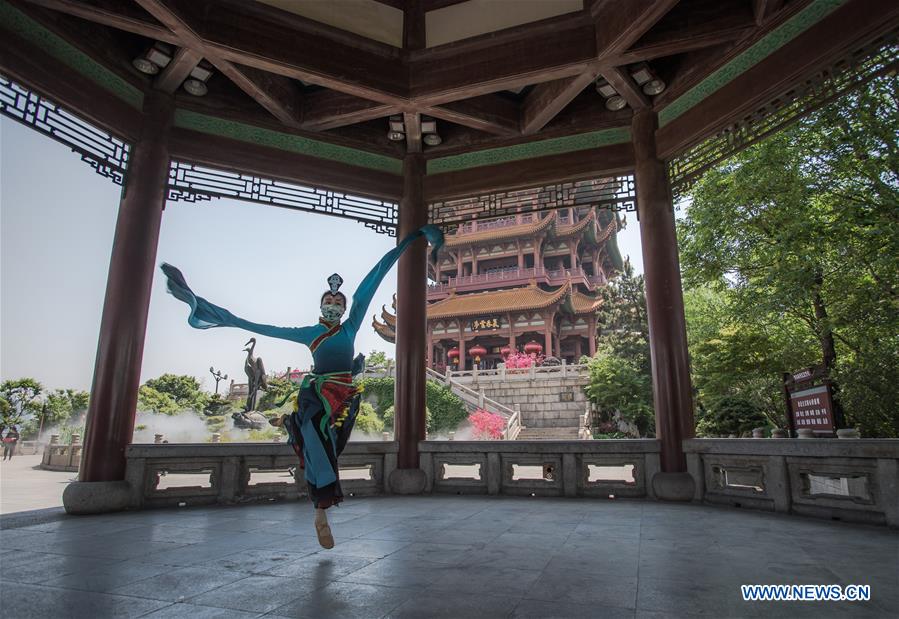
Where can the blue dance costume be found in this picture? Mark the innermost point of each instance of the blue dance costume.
(327, 402)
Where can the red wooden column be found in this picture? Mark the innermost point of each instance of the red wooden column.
(110, 419)
(411, 320)
(664, 298)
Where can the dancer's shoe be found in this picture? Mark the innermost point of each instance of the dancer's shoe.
(325, 539)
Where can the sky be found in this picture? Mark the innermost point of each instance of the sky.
(264, 263)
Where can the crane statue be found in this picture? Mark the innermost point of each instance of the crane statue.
(255, 371)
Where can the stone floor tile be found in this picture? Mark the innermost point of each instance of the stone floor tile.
(23, 601)
(105, 578)
(194, 611)
(347, 601)
(437, 606)
(536, 609)
(47, 567)
(324, 567)
(256, 560)
(584, 588)
(180, 584)
(257, 593)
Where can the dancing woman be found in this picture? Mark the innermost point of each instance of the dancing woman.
(327, 402)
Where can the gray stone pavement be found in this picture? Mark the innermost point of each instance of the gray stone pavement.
(440, 556)
(24, 486)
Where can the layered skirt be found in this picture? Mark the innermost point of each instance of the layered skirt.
(319, 428)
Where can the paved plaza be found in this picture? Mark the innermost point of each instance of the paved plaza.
(25, 486)
(440, 556)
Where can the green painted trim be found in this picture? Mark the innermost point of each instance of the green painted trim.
(763, 48)
(16, 21)
(203, 123)
(529, 150)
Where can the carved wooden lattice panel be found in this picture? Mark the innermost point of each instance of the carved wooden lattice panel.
(616, 193)
(103, 152)
(878, 59)
(191, 182)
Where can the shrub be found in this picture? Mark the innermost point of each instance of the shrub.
(487, 425)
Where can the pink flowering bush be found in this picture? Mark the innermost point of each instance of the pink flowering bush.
(487, 425)
(520, 360)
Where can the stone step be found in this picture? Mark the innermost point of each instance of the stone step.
(547, 434)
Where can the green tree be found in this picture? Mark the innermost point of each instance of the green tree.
(447, 410)
(619, 385)
(183, 390)
(277, 390)
(22, 395)
(153, 401)
(621, 370)
(800, 233)
(64, 404)
(376, 358)
(730, 415)
(367, 420)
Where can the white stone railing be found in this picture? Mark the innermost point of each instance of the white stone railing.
(531, 373)
(842, 479)
(58, 457)
(604, 469)
(477, 399)
(202, 473)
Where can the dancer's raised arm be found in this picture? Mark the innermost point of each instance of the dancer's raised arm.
(366, 290)
(206, 315)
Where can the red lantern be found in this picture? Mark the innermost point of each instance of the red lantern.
(477, 352)
(505, 351)
(533, 348)
(453, 354)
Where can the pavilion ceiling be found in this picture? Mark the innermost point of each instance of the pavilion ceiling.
(510, 88)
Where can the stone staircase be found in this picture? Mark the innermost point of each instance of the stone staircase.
(548, 434)
(551, 405)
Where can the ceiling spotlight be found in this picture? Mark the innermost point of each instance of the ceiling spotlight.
(615, 103)
(428, 125)
(605, 88)
(654, 87)
(202, 71)
(431, 139)
(397, 124)
(160, 54)
(195, 87)
(396, 136)
(641, 73)
(145, 66)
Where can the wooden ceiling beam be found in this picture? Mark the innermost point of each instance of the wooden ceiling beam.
(829, 40)
(177, 70)
(414, 31)
(508, 61)
(763, 9)
(549, 98)
(34, 68)
(681, 41)
(240, 156)
(625, 85)
(113, 13)
(412, 122)
(329, 109)
(621, 24)
(490, 113)
(551, 169)
(277, 94)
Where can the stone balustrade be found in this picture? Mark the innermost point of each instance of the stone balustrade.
(165, 475)
(619, 468)
(59, 457)
(841, 479)
(844, 479)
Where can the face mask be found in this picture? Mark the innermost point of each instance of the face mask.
(332, 312)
